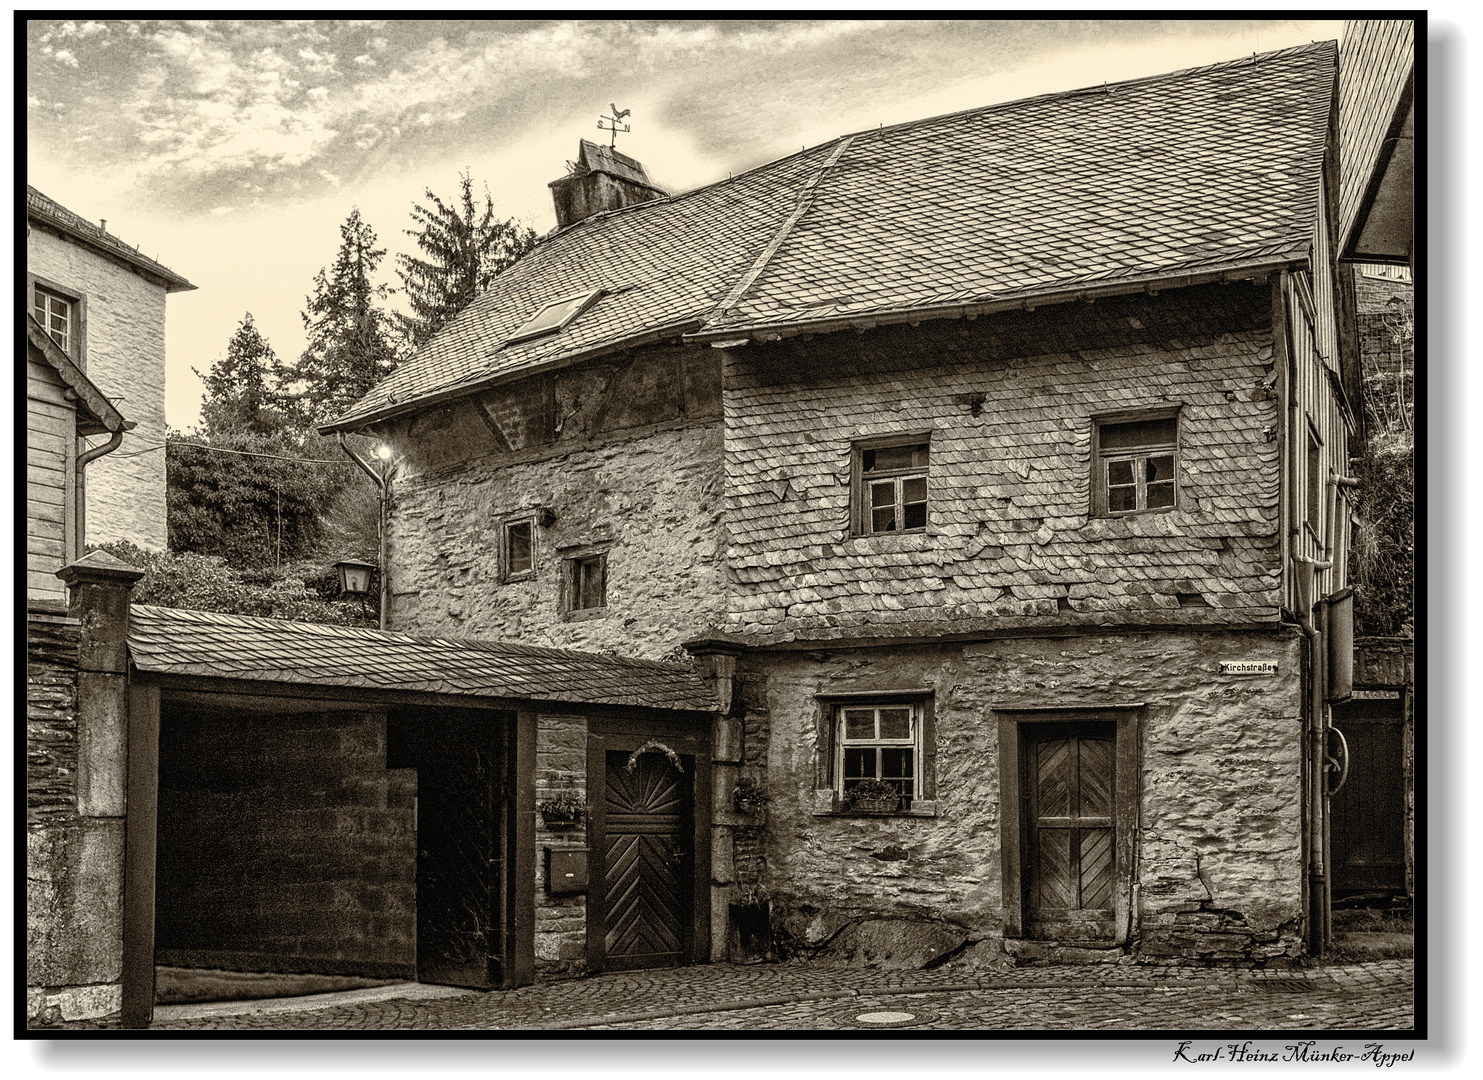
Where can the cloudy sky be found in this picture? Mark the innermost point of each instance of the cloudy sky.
(232, 150)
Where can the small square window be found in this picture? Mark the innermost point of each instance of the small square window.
(879, 742)
(586, 582)
(1135, 465)
(517, 549)
(56, 315)
(891, 486)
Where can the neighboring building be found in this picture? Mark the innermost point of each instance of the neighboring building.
(1377, 110)
(999, 457)
(103, 303)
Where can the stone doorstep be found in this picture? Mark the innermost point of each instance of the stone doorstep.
(1064, 952)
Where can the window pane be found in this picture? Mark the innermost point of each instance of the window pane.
(883, 494)
(883, 520)
(896, 457)
(859, 764)
(915, 516)
(914, 489)
(518, 549)
(1161, 494)
(1122, 498)
(587, 583)
(895, 724)
(1160, 468)
(1120, 472)
(896, 766)
(1139, 433)
(859, 724)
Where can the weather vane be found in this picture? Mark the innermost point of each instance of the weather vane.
(613, 121)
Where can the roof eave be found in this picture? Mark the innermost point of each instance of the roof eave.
(89, 397)
(160, 274)
(1026, 301)
(354, 422)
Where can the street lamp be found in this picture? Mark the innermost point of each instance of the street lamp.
(355, 577)
(381, 475)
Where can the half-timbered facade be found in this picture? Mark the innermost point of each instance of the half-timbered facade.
(997, 459)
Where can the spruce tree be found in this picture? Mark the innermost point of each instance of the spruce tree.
(351, 337)
(465, 247)
(244, 388)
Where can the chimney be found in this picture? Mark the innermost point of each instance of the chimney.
(602, 179)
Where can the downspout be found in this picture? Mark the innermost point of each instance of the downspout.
(79, 501)
(382, 481)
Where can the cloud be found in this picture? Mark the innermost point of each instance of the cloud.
(222, 211)
(63, 56)
(363, 61)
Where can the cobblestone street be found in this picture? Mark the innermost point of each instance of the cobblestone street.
(1372, 996)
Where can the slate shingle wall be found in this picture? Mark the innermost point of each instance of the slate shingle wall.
(1010, 542)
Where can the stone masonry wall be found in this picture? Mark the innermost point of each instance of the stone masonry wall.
(653, 503)
(561, 921)
(74, 901)
(285, 844)
(1008, 401)
(125, 354)
(1218, 845)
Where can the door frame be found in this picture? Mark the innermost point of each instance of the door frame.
(628, 735)
(1127, 785)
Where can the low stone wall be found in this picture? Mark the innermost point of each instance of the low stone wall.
(1218, 852)
(285, 844)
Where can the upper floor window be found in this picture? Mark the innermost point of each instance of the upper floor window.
(517, 549)
(1135, 464)
(58, 316)
(891, 485)
(585, 582)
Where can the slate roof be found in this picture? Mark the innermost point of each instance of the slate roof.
(45, 209)
(1200, 170)
(174, 641)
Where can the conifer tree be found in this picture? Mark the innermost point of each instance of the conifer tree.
(465, 247)
(244, 388)
(351, 337)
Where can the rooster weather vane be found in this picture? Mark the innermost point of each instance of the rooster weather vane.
(613, 122)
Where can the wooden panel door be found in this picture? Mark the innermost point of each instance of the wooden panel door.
(1369, 813)
(1070, 784)
(647, 865)
(461, 798)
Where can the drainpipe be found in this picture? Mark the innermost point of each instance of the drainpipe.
(382, 482)
(79, 502)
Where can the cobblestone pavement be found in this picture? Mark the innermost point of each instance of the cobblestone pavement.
(1375, 996)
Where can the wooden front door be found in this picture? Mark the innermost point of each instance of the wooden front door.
(461, 843)
(1069, 784)
(1367, 830)
(647, 865)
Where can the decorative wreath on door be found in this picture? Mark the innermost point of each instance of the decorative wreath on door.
(658, 747)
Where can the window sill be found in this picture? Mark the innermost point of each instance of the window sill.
(584, 613)
(511, 579)
(914, 812)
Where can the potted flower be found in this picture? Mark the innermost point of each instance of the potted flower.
(874, 797)
(563, 810)
(749, 797)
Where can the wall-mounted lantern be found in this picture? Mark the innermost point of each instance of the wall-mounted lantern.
(355, 577)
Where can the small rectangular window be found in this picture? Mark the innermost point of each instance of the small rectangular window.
(891, 486)
(55, 314)
(555, 316)
(517, 554)
(879, 742)
(586, 582)
(1136, 465)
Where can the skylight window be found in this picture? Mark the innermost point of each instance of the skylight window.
(555, 316)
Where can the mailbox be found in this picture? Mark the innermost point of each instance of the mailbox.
(566, 870)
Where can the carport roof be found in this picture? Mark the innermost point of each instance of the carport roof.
(175, 641)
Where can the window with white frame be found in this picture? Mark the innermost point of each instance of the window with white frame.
(879, 741)
(1135, 464)
(891, 485)
(57, 315)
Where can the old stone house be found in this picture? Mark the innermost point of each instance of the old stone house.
(102, 302)
(999, 457)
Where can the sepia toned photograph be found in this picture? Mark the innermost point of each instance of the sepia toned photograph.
(713, 525)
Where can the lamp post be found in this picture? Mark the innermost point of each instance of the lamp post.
(355, 579)
(382, 477)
